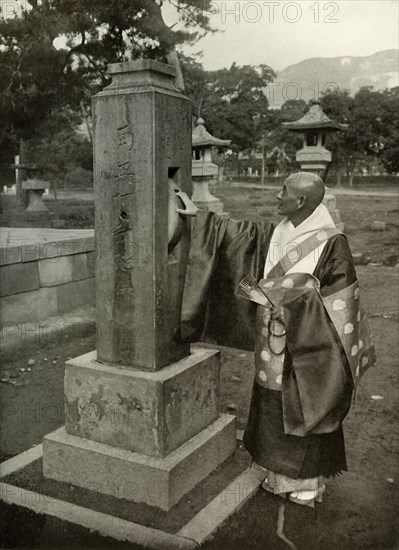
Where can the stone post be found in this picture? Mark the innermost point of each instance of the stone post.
(142, 128)
(142, 414)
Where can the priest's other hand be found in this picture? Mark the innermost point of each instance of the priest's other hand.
(277, 315)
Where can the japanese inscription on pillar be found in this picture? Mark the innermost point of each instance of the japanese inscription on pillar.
(146, 129)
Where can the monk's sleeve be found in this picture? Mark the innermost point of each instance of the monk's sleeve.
(317, 383)
(335, 268)
(208, 232)
(223, 251)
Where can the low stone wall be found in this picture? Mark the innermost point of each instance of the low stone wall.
(45, 273)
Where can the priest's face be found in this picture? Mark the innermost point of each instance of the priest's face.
(288, 199)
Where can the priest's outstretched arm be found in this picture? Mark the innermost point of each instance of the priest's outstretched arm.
(223, 251)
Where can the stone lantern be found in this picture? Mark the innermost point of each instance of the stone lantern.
(203, 169)
(35, 189)
(315, 125)
(314, 157)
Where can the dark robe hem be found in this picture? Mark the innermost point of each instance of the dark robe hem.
(293, 456)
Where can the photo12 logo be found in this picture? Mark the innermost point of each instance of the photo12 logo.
(269, 11)
(279, 92)
(11, 10)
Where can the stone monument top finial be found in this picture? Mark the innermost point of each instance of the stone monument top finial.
(144, 72)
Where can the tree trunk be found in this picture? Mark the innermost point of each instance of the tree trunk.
(263, 162)
(86, 118)
(325, 174)
(21, 193)
(352, 175)
(54, 186)
(339, 178)
(220, 174)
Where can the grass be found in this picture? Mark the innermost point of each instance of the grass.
(75, 213)
(357, 212)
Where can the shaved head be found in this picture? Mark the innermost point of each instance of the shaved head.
(300, 195)
(309, 185)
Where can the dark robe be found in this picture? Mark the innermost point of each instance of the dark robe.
(222, 252)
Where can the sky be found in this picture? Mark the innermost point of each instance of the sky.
(282, 33)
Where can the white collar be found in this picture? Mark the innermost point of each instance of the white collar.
(319, 219)
(286, 234)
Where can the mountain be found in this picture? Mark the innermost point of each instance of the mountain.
(309, 78)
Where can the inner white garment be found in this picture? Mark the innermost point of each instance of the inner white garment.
(286, 239)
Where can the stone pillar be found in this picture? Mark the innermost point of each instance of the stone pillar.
(142, 414)
(203, 198)
(142, 128)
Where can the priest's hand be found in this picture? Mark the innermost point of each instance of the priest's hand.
(277, 315)
(190, 208)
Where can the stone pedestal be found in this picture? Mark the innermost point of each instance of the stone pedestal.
(137, 477)
(145, 436)
(35, 190)
(203, 198)
(144, 412)
(314, 159)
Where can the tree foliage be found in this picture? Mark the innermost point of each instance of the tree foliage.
(42, 87)
(37, 79)
(232, 101)
(60, 146)
(276, 135)
(372, 135)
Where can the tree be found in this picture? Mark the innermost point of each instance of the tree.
(195, 82)
(372, 134)
(60, 148)
(277, 135)
(37, 79)
(31, 83)
(233, 102)
(338, 105)
(389, 155)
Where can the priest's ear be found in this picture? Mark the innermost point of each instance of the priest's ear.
(301, 202)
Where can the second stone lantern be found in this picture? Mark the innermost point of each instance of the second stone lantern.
(315, 125)
(314, 157)
(203, 169)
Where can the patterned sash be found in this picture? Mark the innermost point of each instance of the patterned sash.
(301, 251)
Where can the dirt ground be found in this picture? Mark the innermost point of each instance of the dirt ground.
(357, 212)
(31, 397)
(358, 209)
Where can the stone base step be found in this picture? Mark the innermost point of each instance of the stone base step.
(159, 482)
